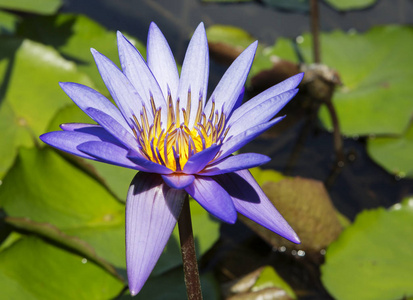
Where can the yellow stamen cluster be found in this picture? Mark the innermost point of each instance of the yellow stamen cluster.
(172, 145)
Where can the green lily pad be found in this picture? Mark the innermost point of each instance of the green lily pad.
(350, 4)
(73, 36)
(29, 93)
(393, 153)
(45, 188)
(374, 67)
(44, 7)
(373, 258)
(31, 268)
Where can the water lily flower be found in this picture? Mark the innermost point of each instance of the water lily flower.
(164, 127)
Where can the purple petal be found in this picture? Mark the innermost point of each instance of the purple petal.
(93, 130)
(213, 198)
(151, 166)
(235, 163)
(198, 161)
(195, 70)
(231, 84)
(109, 153)
(234, 143)
(69, 140)
(250, 200)
(239, 99)
(261, 113)
(161, 62)
(85, 97)
(178, 181)
(152, 210)
(277, 89)
(138, 73)
(122, 91)
(114, 128)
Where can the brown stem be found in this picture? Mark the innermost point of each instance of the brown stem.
(315, 30)
(191, 273)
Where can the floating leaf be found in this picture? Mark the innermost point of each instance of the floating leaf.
(29, 93)
(350, 4)
(373, 258)
(30, 268)
(375, 68)
(393, 153)
(44, 7)
(45, 188)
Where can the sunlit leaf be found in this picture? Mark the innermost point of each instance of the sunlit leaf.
(350, 4)
(29, 93)
(394, 153)
(44, 7)
(375, 68)
(30, 268)
(47, 189)
(373, 258)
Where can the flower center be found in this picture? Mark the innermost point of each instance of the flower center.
(172, 144)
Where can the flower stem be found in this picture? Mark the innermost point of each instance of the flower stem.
(191, 273)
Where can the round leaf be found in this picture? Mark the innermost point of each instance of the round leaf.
(30, 94)
(373, 258)
(376, 69)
